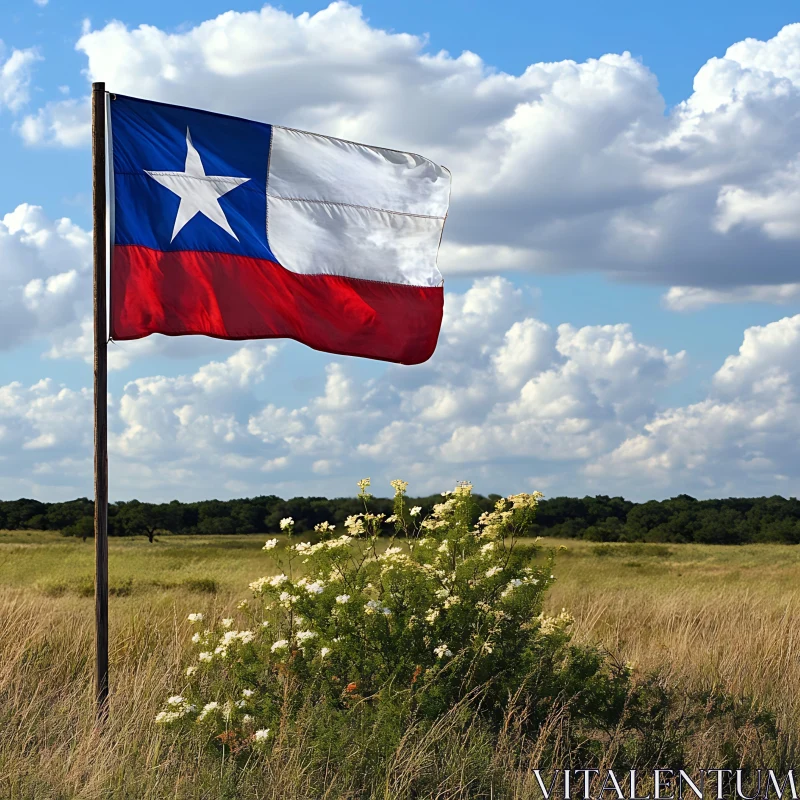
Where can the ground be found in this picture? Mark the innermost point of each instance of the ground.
(706, 614)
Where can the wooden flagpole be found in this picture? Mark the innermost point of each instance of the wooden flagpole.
(100, 400)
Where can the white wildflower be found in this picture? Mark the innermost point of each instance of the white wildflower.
(205, 656)
(286, 522)
(196, 637)
(270, 544)
(191, 671)
(341, 541)
(227, 623)
(281, 644)
(341, 599)
(492, 571)
(323, 651)
(195, 617)
(442, 651)
(165, 717)
(175, 700)
(261, 735)
(208, 708)
(248, 692)
(315, 588)
(399, 486)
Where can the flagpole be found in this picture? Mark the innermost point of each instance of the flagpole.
(100, 400)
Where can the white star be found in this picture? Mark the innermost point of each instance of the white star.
(199, 193)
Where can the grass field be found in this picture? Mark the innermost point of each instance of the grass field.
(708, 615)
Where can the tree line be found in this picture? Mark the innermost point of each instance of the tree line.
(734, 520)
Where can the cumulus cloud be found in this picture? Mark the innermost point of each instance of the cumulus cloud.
(46, 451)
(15, 76)
(694, 298)
(190, 414)
(568, 165)
(62, 122)
(740, 439)
(45, 269)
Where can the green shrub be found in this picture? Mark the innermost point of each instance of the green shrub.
(359, 643)
(206, 585)
(83, 586)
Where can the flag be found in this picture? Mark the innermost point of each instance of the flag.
(241, 230)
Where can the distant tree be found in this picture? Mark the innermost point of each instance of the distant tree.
(682, 518)
(611, 529)
(61, 515)
(83, 527)
(140, 519)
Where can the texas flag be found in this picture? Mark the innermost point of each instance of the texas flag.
(241, 230)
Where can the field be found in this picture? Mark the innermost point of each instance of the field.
(708, 615)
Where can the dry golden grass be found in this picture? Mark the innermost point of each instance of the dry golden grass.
(708, 615)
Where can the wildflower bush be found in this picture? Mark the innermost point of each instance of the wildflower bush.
(396, 623)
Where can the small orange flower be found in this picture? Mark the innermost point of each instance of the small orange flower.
(351, 687)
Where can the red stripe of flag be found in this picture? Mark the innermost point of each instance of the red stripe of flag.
(237, 297)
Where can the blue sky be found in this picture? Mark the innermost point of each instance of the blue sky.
(663, 205)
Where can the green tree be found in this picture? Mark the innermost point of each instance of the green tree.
(140, 519)
(83, 527)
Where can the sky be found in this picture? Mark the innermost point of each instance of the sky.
(622, 292)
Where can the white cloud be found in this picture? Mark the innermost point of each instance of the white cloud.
(62, 122)
(45, 273)
(740, 439)
(694, 298)
(191, 412)
(15, 77)
(566, 166)
(40, 425)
